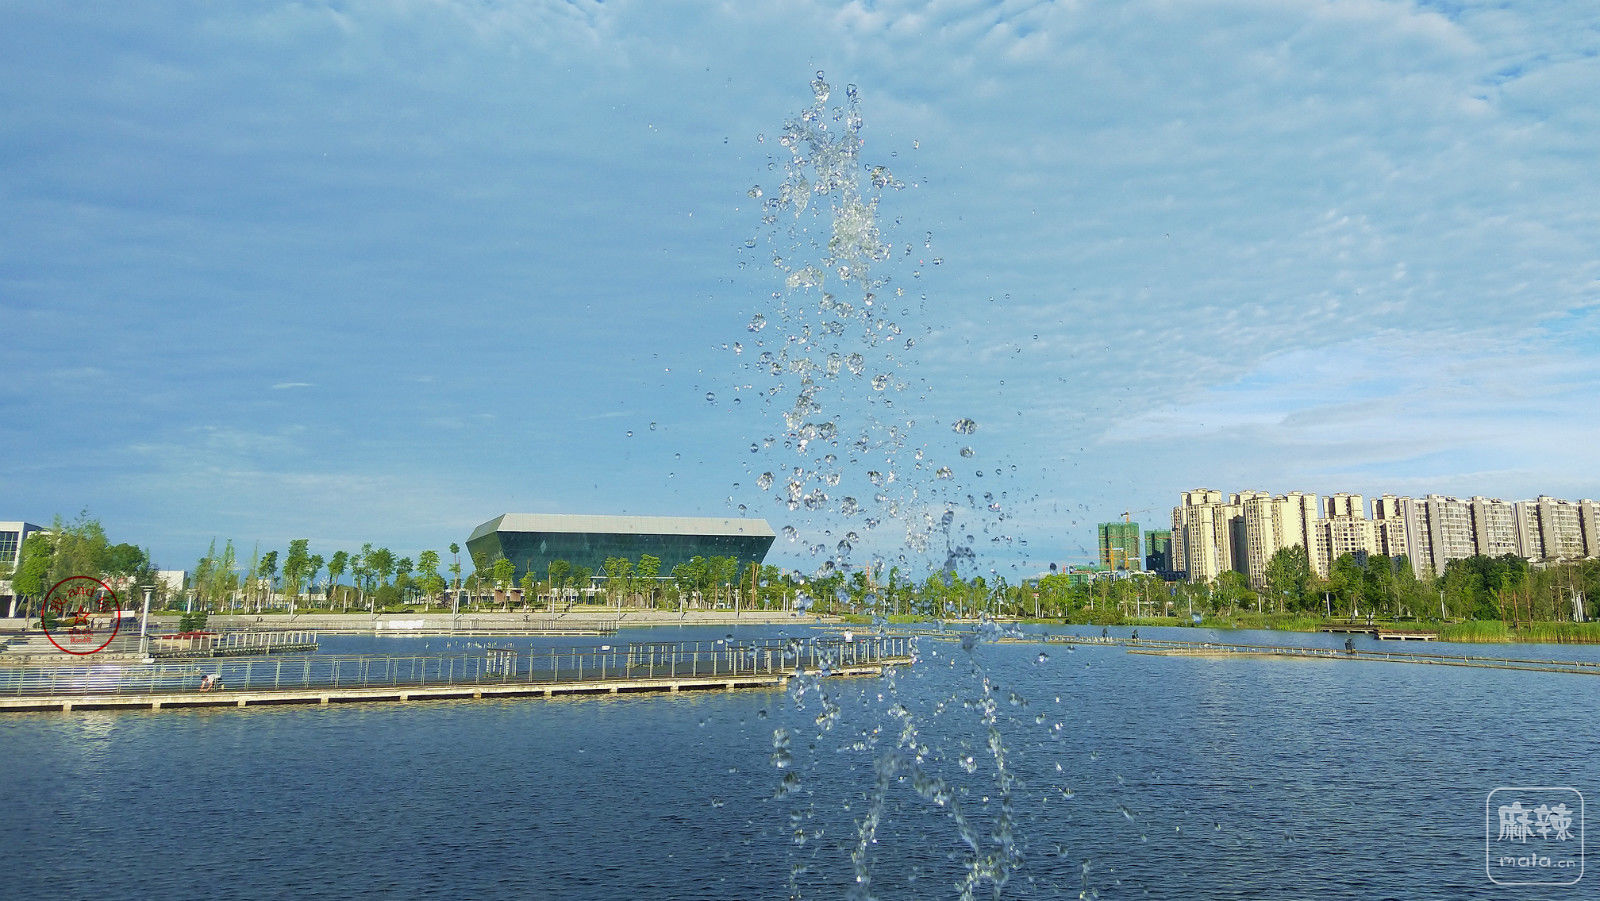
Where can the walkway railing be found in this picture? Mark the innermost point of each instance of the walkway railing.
(230, 644)
(491, 666)
(1201, 648)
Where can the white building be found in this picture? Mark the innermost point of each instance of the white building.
(1494, 527)
(12, 535)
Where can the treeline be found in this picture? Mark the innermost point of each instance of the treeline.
(700, 581)
(1502, 588)
(76, 548)
(1505, 589)
(268, 581)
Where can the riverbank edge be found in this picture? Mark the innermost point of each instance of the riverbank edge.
(1471, 632)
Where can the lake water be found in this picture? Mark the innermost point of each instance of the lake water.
(1129, 776)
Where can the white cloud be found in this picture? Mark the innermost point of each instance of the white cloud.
(1354, 239)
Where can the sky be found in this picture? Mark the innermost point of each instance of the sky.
(381, 271)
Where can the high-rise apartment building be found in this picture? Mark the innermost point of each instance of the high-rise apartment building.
(1389, 528)
(1551, 529)
(1203, 534)
(1589, 521)
(1494, 527)
(1119, 545)
(1449, 530)
(1343, 529)
(1158, 551)
(1211, 536)
(1272, 524)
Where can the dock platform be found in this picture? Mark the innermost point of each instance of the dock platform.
(491, 673)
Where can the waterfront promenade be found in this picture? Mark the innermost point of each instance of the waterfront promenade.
(489, 672)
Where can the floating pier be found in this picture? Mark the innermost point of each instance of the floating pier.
(231, 644)
(1222, 650)
(493, 672)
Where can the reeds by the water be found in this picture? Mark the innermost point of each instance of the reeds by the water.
(1492, 631)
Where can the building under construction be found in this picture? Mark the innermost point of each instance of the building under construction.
(1119, 546)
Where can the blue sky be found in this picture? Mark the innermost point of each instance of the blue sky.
(382, 271)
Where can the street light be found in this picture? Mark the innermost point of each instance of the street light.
(144, 625)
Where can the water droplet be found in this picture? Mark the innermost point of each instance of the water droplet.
(711, 397)
(967, 452)
(755, 191)
(963, 426)
(757, 323)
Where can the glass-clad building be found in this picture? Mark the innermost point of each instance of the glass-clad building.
(532, 540)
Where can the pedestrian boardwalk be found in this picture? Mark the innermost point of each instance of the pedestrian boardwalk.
(491, 672)
(1216, 649)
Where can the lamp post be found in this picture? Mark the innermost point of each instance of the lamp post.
(144, 625)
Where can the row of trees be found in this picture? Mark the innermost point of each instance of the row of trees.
(699, 581)
(76, 548)
(1503, 588)
(377, 577)
(1477, 588)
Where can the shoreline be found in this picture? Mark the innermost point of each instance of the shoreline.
(1470, 632)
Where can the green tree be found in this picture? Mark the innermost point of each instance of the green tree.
(295, 563)
(428, 573)
(1288, 575)
(1233, 589)
(381, 565)
(402, 575)
(580, 578)
(79, 548)
(502, 572)
(560, 571)
(31, 579)
(455, 563)
(361, 570)
(617, 570)
(215, 578)
(313, 566)
(337, 564)
(647, 571)
(267, 571)
(125, 560)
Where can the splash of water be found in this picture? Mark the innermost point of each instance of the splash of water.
(833, 360)
(834, 365)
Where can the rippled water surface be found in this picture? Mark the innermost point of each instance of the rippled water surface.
(1134, 776)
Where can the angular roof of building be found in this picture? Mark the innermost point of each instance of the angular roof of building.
(623, 525)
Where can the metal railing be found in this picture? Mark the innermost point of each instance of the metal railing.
(490, 666)
(228, 644)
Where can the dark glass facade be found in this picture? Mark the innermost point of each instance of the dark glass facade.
(533, 551)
